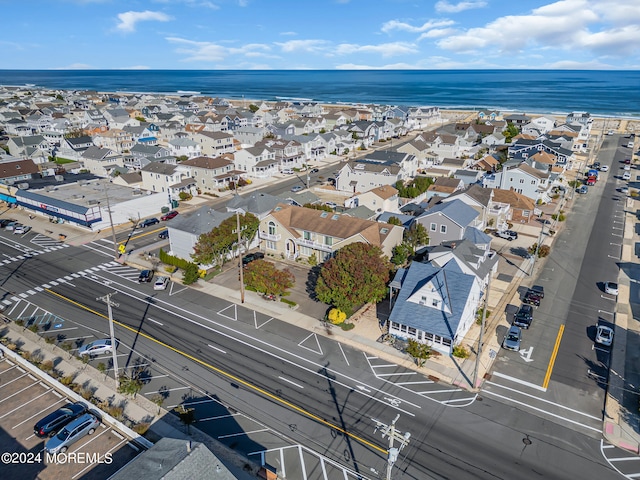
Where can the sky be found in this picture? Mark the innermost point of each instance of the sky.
(320, 34)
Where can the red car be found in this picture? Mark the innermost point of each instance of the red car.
(169, 216)
(627, 161)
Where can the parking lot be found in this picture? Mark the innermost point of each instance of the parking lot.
(24, 400)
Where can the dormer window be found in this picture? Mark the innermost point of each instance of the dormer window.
(435, 302)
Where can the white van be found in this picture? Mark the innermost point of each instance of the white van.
(626, 175)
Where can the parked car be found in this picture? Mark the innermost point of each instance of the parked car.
(627, 161)
(508, 234)
(86, 424)
(145, 276)
(331, 205)
(611, 288)
(314, 170)
(161, 283)
(169, 216)
(97, 347)
(624, 189)
(532, 298)
(604, 168)
(247, 259)
(21, 229)
(49, 425)
(6, 221)
(583, 189)
(626, 176)
(11, 225)
(604, 335)
(596, 164)
(287, 171)
(512, 339)
(163, 234)
(296, 188)
(538, 290)
(626, 168)
(148, 222)
(523, 317)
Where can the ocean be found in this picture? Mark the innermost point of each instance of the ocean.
(601, 93)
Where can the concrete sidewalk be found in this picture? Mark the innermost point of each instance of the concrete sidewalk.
(621, 420)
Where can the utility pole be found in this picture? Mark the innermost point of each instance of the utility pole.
(393, 434)
(484, 317)
(113, 231)
(107, 299)
(239, 230)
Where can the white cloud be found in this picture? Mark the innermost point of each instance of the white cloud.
(195, 51)
(384, 49)
(76, 66)
(288, 34)
(311, 46)
(444, 6)
(398, 25)
(128, 20)
(437, 33)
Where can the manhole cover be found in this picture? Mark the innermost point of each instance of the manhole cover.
(526, 441)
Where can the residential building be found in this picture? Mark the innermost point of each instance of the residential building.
(376, 169)
(304, 232)
(449, 221)
(434, 305)
(378, 199)
(523, 179)
(211, 174)
(14, 170)
(214, 144)
(257, 162)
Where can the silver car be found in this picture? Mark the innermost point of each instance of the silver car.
(97, 347)
(74, 431)
(512, 339)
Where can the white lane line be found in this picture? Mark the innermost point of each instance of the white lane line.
(167, 390)
(546, 401)
(156, 376)
(421, 383)
(344, 354)
(215, 348)
(529, 406)
(154, 321)
(517, 380)
(623, 459)
(243, 433)
(23, 404)
(39, 289)
(39, 412)
(291, 382)
(396, 374)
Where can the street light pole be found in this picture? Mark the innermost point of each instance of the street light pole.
(484, 317)
(113, 231)
(393, 434)
(239, 230)
(107, 299)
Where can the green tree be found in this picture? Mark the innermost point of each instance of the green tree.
(182, 158)
(214, 247)
(357, 274)
(394, 221)
(400, 254)
(190, 274)
(264, 277)
(416, 236)
(254, 108)
(510, 132)
(419, 351)
(130, 385)
(187, 416)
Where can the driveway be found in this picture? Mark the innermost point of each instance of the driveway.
(300, 293)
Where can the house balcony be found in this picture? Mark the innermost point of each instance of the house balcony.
(314, 244)
(268, 236)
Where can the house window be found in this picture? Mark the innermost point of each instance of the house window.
(433, 227)
(522, 180)
(328, 241)
(533, 182)
(306, 235)
(435, 302)
(271, 245)
(443, 229)
(272, 228)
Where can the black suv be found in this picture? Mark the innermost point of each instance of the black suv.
(49, 425)
(145, 276)
(523, 317)
(251, 257)
(538, 290)
(6, 221)
(148, 222)
(532, 298)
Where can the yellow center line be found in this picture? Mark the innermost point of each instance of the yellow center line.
(556, 347)
(225, 374)
(123, 242)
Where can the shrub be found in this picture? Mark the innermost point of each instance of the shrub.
(479, 315)
(190, 274)
(291, 303)
(66, 346)
(102, 367)
(33, 328)
(66, 380)
(170, 269)
(336, 316)
(347, 326)
(12, 346)
(86, 393)
(47, 366)
(141, 428)
(544, 251)
(49, 339)
(20, 323)
(460, 351)
(115, 411)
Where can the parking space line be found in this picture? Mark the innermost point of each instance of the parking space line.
(156, 376)
(394, 374)
(40, 412)
(215, 348)
(108, 451)
(291, 382)
(168, 390)
(23, 404)
(344, 354)
(19, 391)
(420, 383)
(10, 368)
(4, 384)
(247, 432)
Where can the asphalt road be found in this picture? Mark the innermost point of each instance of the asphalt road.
(309, 389)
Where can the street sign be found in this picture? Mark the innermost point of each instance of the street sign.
(122, 249)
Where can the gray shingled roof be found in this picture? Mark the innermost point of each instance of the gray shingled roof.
(255, 203)
(201, 221)
(456, 210)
